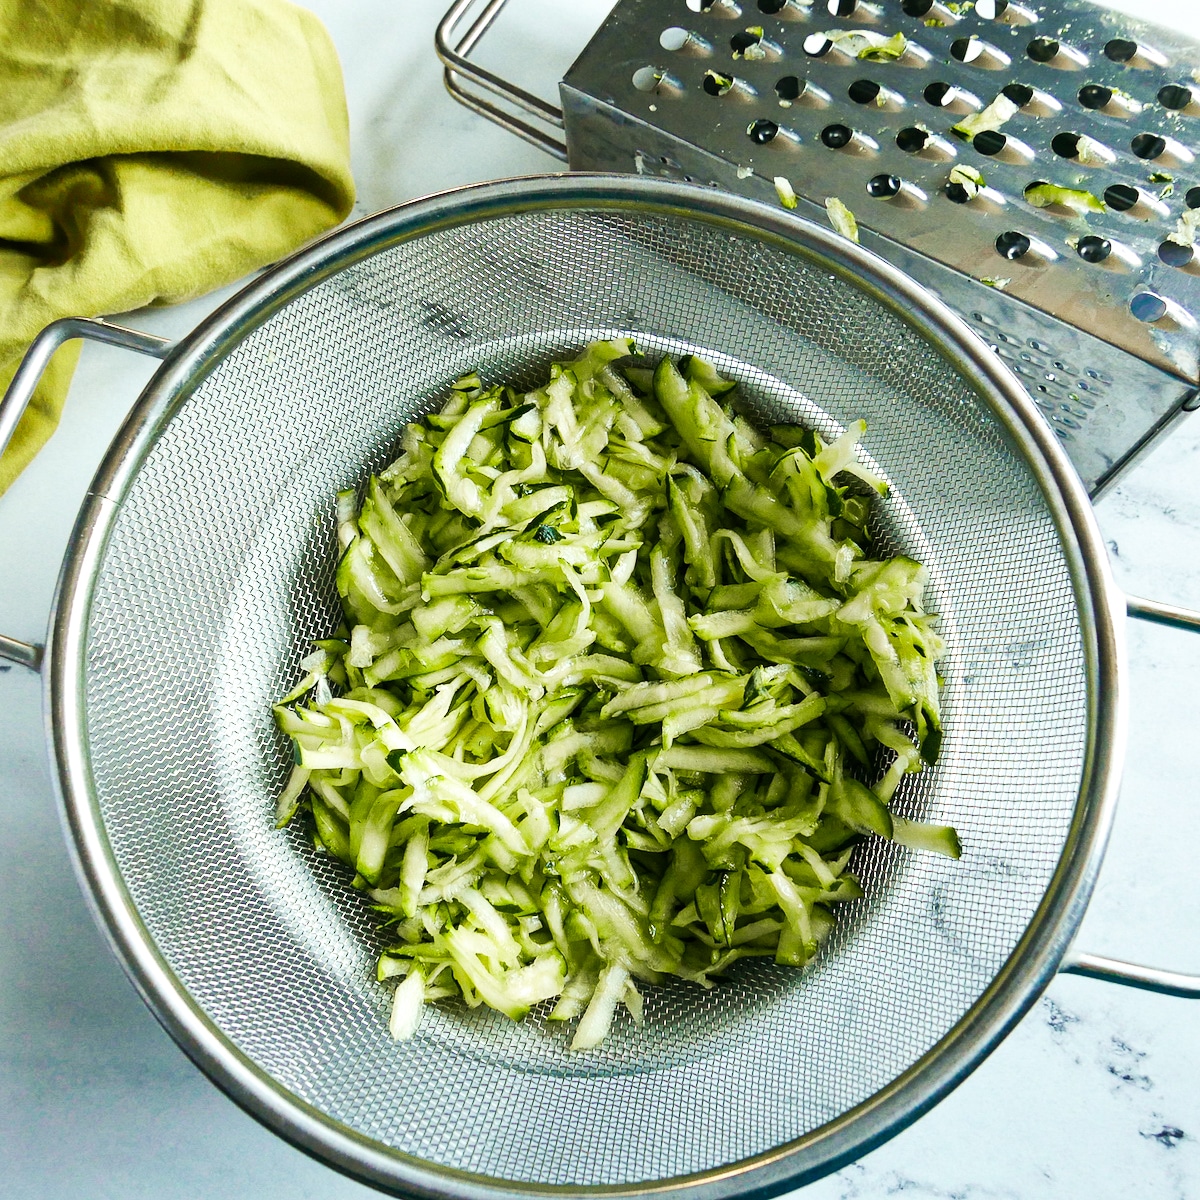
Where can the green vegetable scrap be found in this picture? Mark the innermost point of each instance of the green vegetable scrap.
(785, 191)
(841, 218)
(867, 45)
(613, 667)
(998, 113)
(1043, 195)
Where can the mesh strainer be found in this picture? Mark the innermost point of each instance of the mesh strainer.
(202, 566)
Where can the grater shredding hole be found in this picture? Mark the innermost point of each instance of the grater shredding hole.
(912, 140)
(1121, 197)
(657, 80)
(863, 91)
(1192, 197)
(1175, 97)
(1093, 249)
(788, 9)
(1012, 245)
(750, 44)
(1065, 145)
(1148, 307)
(789, 88)
(916, 8)
(1148, 145)
(717, 84)
(951, 98)
(1019, 93)
(837, 136)
(884, 187)
(817, 45)
(991, 10)
(959, 193)
(716, 8)
(989, 142)
(841, 8)
(1120, 50)
(763, 131)
(1095, 95)
(975, 52)
(678, 40)
(1175, 254)
(771, 7)
(1043, 49)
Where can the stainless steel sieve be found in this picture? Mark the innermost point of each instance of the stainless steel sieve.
(202, 565)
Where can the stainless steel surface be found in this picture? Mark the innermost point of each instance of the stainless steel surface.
(20, 391)
(1163, 614)
(1107, 382)
(202, 566)
(21, 388)
(26, 654)
(1150, 979)
(459, 66)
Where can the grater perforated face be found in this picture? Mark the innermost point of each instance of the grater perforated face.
(1088, 298)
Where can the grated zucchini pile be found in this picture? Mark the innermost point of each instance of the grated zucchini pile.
(613, 665)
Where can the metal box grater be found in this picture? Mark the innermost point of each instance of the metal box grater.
(1089, 300)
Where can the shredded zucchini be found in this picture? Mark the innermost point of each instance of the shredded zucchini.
(614, 665)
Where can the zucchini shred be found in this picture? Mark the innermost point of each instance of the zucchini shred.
(613, 668)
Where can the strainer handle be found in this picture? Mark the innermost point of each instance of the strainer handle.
(1112, 970)
(459, 67)
(20, 392)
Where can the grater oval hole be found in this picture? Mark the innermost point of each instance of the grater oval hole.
(1120, 50)
(1065, 145)
(789, 88)
(989, 142)
(678, 40)
(912, 140)
(916, 8)
(746, 42)
(1175, 96)
(863, 91)
(884, 186)
(1192, 197)
(1175, 254)
(717, 8)
(771, 7)
(1121, 197)
(1148, 145)
(1095, 95)
(657, 80)
(1019, 93)
(763, 131)
(841, 8)
(836, 136)
(974, 51)
(959, 193)
(1012, 245)
(817, 45)
(1148, 307)
(1043, 49)
(1093, 249)
(717, 84)
(939, 94)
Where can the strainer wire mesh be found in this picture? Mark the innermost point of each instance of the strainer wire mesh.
(217, 573)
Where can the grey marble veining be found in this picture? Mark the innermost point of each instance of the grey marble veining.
(1094, 1096)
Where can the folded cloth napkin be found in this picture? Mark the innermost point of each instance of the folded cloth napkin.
(151, 150)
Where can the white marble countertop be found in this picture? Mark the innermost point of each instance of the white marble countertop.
(1095, 1095)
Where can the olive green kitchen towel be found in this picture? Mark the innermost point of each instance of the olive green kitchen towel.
(151, 150)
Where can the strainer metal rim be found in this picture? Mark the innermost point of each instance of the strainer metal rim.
(1017, 985)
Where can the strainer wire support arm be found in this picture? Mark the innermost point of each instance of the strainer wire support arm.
(1112, 970)
(21, 390)
(460, 67)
